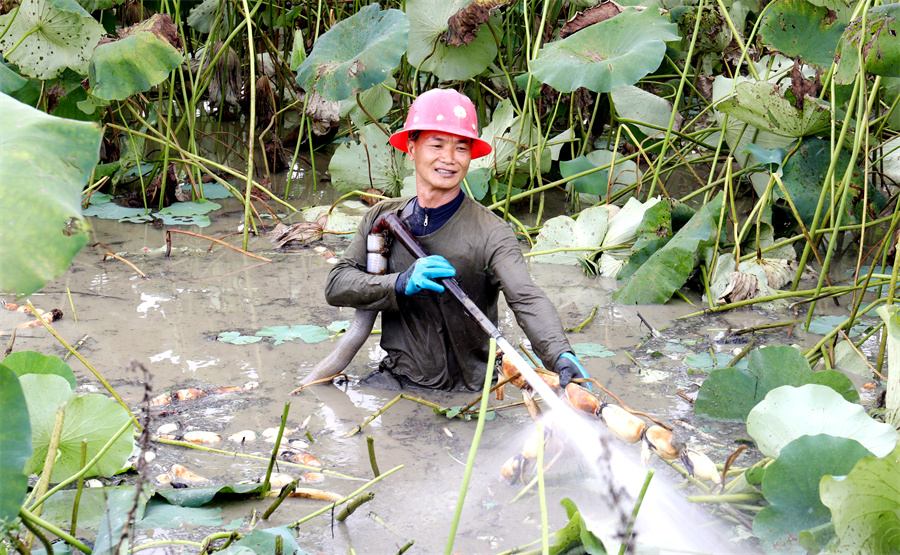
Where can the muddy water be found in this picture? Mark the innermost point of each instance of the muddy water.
(170, 321)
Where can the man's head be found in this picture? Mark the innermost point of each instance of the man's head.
(446, 111)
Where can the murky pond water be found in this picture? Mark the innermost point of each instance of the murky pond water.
(170, 321)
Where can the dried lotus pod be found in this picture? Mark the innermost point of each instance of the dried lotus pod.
(741, 287)
(303, 232)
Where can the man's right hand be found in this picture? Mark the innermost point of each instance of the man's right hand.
(421, 275)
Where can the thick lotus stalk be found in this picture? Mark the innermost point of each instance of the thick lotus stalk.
(892, 401)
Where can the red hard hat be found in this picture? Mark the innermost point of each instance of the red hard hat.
(443, 110)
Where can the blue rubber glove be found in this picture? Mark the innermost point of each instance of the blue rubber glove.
(421, 275)
(568, 367)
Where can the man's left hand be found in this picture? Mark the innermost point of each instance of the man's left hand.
(568, 367)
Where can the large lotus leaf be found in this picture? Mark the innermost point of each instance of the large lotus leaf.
(790, 412)
(791, 483)
(132, 65)
(798, 29)
(563, 232)
(370, 162)
(377, 102)
(356, 54)
(880, 48)
(15, 444)
(652, 234)
(505, 131)
(32, 362)
(803, 175)
(594, 186)
(763, 105)
(197, 497)
(618, 51)
(92, 417)
(10, 80)
(865, 505)
(121, 508)
(428, 20)
(670, 267)
(732, 393)
(634, 103)
(54, 35)
(44, 164)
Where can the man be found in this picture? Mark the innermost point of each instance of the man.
(429, 339)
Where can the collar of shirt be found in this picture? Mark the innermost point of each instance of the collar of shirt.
(422, 221)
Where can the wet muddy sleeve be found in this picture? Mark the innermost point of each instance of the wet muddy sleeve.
(534, 312)
(348, 283)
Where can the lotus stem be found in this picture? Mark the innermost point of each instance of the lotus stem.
(470, 463)
(284, 416)
(79, 489)
(587, 321)
(390, 404)
(33, 519)
(370, 442)
(354, 504)
(214, 240)
(49, 460)
(285, 491)
(626, 538)
(72, 305)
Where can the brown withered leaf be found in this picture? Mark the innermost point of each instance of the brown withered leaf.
(160, 25)
(303, 232)
(369, 199)
(464, 23)
(588, 17)
(802, 87)
(54, 93)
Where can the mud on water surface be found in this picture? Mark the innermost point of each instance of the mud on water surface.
(170, 322)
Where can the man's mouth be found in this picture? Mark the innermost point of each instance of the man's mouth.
(445, 172)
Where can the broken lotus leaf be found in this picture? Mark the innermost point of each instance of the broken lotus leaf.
(878, 40)
(865, 505)
(799, 29)
(140, 60)
(589, 16)
(45, 162)
(54, 35)
(563, 232)
(618, 51)
(464, 24)
(356, 54)
(428, 21)
(91, 417)
(791, 483)
(789, 412)
(343, 218)
(764, 106)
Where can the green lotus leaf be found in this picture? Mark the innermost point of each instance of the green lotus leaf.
(235, 338)
(618, 51)
(764, 106)
(10, 80)
(92, 417)
(634, 103)
(54, 35)
(95, 5)
(133, 64)
(203, 15)
(377, 102)
(356, 54)
(428, 20)
(263, 542)
(865, 505)
(373, 163)
(670, 267)
(842, 9)
(44, 164)
(798, 29)
(306, 332)
(594, 186)
(563, 232)
(791, 483)
(15, 444)
(32, 362)
(732, 393)
(586, 350)
(880, 48)
(197, 497)
(790, 412)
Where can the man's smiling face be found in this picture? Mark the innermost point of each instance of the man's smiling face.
(441, 160)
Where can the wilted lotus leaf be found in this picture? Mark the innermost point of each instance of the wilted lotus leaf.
(618, 51)
(590, 16)
(789, 412)
(303, 232)
(144, 57)
(377, 102)
(622, 231)
(49, 36)
(464, 24)
(798, 29)
(356, 54)
(343, 218)
(880, 47)
(563, 232)
(428, 21)
(203, 15)
(749, 279)
(763, 105)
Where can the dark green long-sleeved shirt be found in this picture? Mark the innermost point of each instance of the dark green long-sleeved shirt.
(428, 337)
